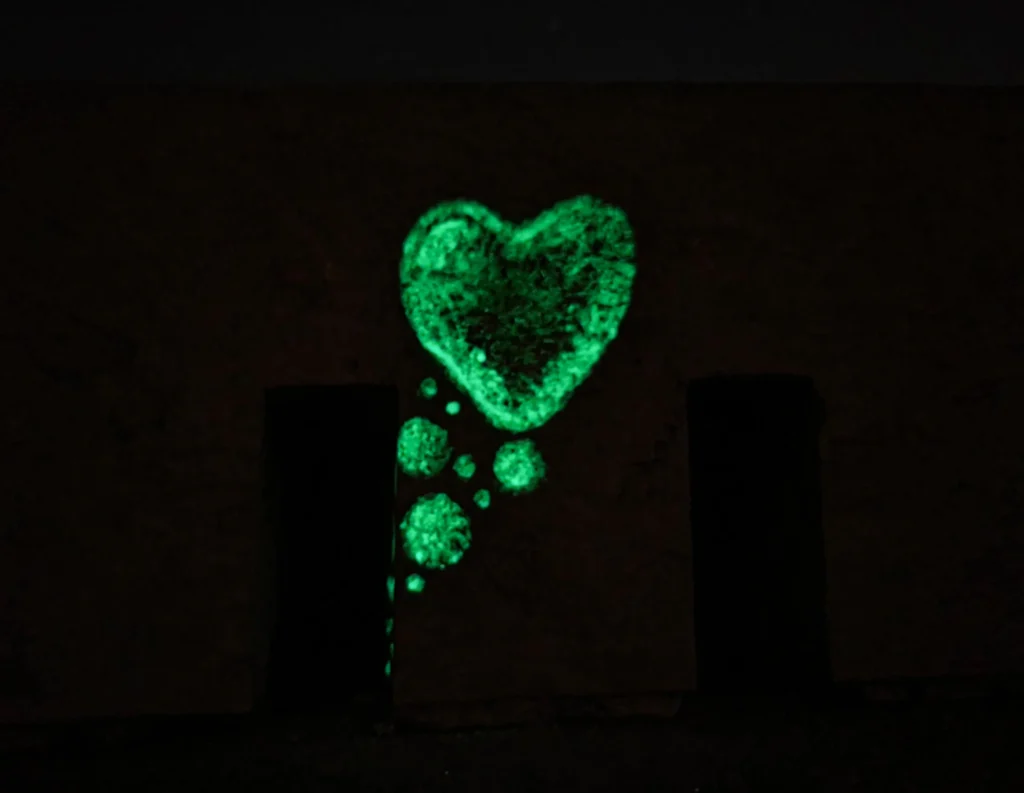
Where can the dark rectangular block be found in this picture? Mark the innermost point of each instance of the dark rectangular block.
(758, 551)
(330, 479)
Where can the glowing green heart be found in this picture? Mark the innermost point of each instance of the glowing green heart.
(518, 315)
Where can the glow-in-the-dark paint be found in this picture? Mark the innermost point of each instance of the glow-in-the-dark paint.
(415, 583)
(423, 449)
(518, 315)
(435, 531)
(428, 388)
(464, 466)
(519, 466)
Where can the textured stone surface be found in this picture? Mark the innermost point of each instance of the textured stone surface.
(167, 257)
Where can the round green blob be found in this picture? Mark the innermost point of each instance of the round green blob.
(464, 466)
(387, 669)
(519, 466)
(518, 315)
(436, 532)
(415, 583)
(452, 408)
(423, 449)
(428, 388)
(482, 499)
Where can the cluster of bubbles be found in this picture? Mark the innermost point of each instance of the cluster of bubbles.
(436, 530)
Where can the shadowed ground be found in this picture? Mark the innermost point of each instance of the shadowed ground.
(728, 746)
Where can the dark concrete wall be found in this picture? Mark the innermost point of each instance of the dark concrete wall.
(167, 257)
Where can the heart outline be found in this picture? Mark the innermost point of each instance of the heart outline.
(457, 241)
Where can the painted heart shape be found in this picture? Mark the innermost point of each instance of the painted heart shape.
(518, 315)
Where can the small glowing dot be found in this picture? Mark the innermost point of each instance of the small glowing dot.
(428, 388)
(452, 408)
(480, 356)
(389, 625)
(519, 466)
(387, 669)
(464, 466)
(482, 499)
(391, 588)
(415, 583)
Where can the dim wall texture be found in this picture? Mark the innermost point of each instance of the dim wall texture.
(166, 257)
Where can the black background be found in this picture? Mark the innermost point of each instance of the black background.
(874, 41)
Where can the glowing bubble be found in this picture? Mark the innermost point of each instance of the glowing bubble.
(415, 583)
(423, 449)
(452, 408)
(436, 532)
(518, 315)
(519, 466)
(482, 499)
(464, 466)
(428, 388)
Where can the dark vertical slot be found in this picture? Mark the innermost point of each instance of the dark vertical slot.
(329, 455)
(758, 548)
